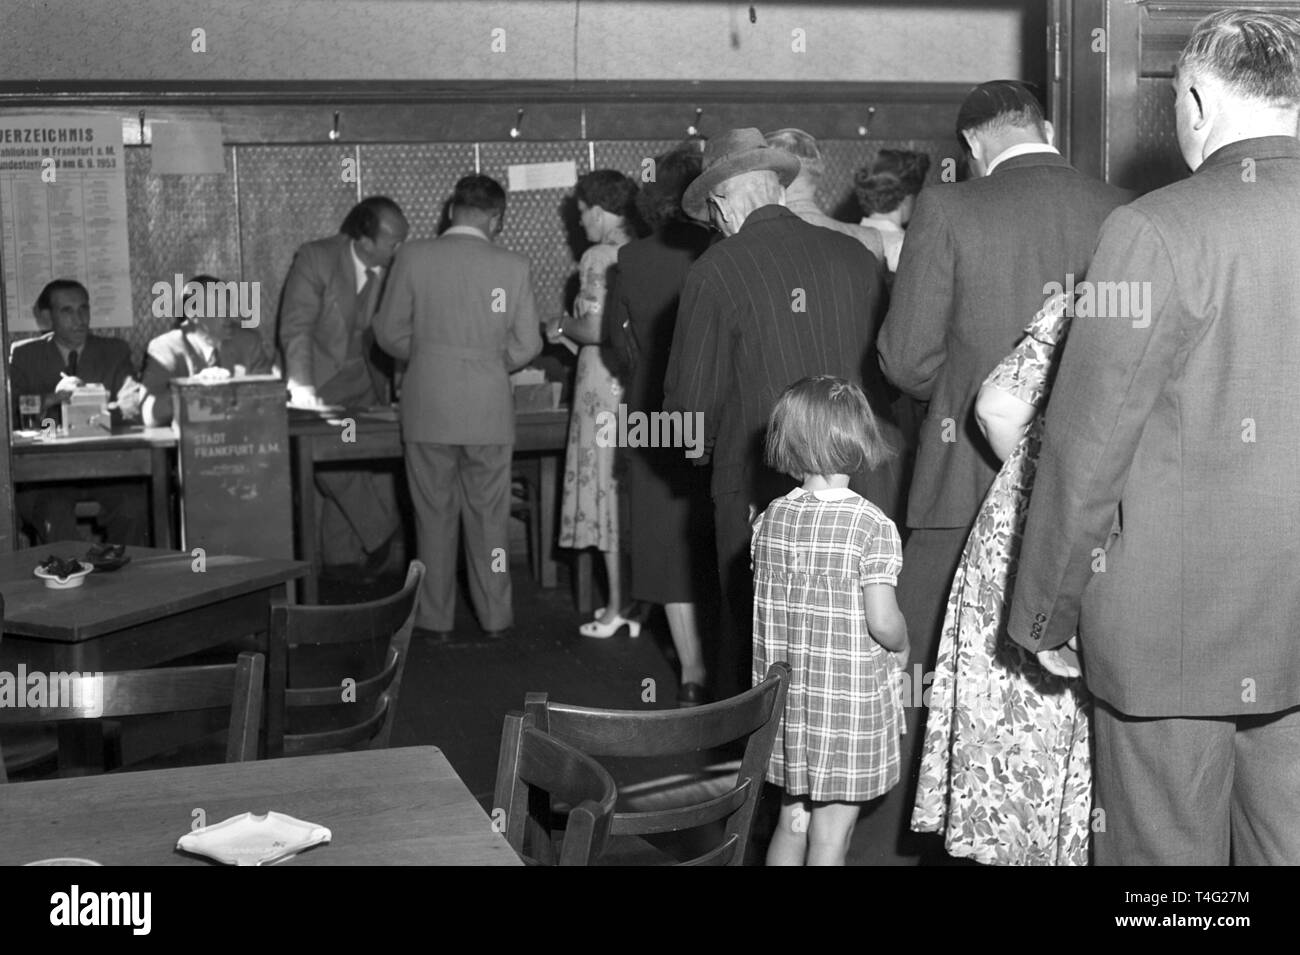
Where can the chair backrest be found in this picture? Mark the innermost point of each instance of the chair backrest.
(533, 768)
(363, 693)
(752, 716)
(73, 696)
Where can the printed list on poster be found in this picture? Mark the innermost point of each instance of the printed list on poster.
(63, 213)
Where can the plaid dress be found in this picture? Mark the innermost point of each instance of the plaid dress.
(812, 554)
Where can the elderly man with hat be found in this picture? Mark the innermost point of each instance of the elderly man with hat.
(976, 267)
(775, 301)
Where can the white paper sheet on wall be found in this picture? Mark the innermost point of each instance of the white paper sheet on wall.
(63, 212)
(186, 148)
(543, 175)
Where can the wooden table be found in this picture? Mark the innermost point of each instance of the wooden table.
(383, 807)
(318, 438)
(133, 453)
(156, 608)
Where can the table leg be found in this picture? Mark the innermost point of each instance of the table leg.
(160, 485)
(550, 502)
(304, 475)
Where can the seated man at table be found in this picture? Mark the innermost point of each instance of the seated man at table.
(53, 366)
(204, 344)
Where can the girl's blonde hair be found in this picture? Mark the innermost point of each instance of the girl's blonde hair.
(823, 425)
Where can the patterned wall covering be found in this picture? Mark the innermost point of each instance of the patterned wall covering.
(247, 224)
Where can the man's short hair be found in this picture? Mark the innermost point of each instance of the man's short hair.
(1254, 54)
(479, 192)
(1000, 104)
(43, 301)
(801, 145)
(362, 222)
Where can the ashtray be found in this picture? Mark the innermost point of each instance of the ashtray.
(107, 557)
(67, 582)
(250, 839)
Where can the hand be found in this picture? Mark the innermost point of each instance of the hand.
(1063, 662)
(553, 330)
(66, 386)
(304, 396)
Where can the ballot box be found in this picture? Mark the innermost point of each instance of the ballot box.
(233, 454)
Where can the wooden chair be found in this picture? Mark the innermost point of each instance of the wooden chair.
(238, 686)
(365, 643)
(752, 716)
(532, 769)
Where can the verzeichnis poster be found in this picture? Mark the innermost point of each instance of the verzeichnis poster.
(63, 213)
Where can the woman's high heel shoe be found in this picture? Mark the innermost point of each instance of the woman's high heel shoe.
(602, 630)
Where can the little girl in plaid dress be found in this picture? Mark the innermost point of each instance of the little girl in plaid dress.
(825, 565)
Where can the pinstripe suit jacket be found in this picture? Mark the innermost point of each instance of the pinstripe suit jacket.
(776, 302)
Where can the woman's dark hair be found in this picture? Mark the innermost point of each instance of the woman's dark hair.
(895, 175)
(609, 189)
(660, 200)
(823, 425)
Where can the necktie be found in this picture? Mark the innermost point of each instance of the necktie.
(71, 370)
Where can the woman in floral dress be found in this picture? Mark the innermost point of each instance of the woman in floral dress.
(589, 509)
(1005, 772)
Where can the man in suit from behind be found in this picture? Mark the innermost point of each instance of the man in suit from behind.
(460, 310)
(330, 298)
(775, 301)
(1164, 519)
(53, 366)
(971, 275)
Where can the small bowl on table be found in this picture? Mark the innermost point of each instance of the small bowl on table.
(75, 579)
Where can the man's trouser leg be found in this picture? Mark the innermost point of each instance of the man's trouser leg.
(485, 491)
(432, 474)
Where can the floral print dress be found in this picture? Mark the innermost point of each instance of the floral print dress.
(589, 508)
(1005, 771)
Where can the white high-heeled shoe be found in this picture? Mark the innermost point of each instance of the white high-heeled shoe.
(601, 630)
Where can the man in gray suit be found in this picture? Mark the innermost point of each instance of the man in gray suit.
(460, 310)
(972, 274)
(1164, 521)
(330, 295)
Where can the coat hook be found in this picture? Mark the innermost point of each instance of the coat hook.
(865, 130)
(694, 128)
(143, 141)
(334, 132)
(519, 121)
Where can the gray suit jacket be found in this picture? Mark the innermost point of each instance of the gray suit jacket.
(1174, 444)
(971, 276)
(317, 311)
(461, 310)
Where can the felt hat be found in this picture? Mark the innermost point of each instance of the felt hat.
(734, 152)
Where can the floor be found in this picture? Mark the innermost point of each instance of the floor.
(455, 695)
